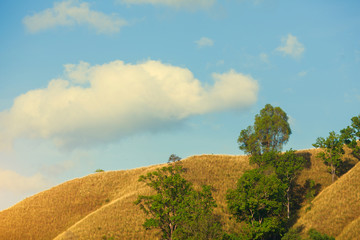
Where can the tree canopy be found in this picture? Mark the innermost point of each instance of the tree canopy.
(176, 208)
(258, 200)
(287, 167)
(270, 132)
(351, 136)
(333, 150)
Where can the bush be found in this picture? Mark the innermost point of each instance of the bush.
(315, 235)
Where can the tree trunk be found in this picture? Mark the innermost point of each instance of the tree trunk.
(288, 202)
(332, 173)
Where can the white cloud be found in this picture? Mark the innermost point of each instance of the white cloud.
(70, 13)
(188, 4)
(14, 182)
(204, 42)
(102, 103)
(291, 46)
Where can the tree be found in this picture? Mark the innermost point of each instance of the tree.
(287, 167)
(174, 158)
(270, 132)
(198, 220)
(333, 150)
(175, 205)
(351, 136)
(258, 200)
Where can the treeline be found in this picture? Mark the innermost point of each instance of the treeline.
(264, 197)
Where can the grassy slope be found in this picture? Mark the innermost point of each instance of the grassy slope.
(102, 203)
(336, 209)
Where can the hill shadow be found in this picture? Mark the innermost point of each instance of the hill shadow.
(307, 158)
(345, 166)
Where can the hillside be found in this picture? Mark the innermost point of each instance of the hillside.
(336, 210)
(102, 203)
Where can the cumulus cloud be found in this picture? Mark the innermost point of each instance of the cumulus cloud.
(291, 46)
(204, 42)
(188, 4)
(70, 13)
(14, 182)
(102, 103)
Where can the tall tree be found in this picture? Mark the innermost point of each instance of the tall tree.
(258, 200)
(287, 167)
(270, 132)
(351, 135)
(176, 205)
(333, 151)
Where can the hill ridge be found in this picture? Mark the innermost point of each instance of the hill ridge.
(101, 204)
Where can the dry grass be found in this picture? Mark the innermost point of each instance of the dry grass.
(337, 208)
(102, 203)
(351, 231)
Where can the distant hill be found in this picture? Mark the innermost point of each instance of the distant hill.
(101, 204)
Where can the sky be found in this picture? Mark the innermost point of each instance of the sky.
(121, 84)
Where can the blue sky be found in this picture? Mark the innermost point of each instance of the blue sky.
(120, 84)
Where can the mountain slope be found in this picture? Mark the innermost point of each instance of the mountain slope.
(336, 210)
(101, 204)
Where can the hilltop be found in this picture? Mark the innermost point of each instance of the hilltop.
(101, 204)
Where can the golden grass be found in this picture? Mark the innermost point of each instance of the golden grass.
(336, 207)
(102, 203)
(123, 219)
(351, 231)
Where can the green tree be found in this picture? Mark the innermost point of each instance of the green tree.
(270, 132)
(333, 151)
(258, 200)
(198, 220)
(287, 167)
(351, 136)
(176, 206)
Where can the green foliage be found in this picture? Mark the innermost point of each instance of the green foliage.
(292, 234)
(258, 200)
(198, 220)
(232, 236)
(351, 136)
(333, 147)
(176, 208)
(266, 159)
(99, 170)
(174, 158)
(310, 192)
(270, 131)
(287, 167)
(315, 235)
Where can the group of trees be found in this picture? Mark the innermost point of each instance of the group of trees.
(263, 196)
(333, 146)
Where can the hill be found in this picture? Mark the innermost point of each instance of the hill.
(336, 210)
(101, 204)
